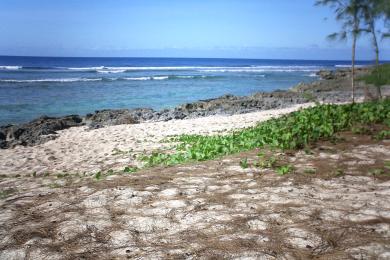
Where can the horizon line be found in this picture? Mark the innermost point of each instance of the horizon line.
(164, 57)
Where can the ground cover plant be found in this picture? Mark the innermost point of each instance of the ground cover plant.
(293, 131)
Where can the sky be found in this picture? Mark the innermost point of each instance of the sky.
(277, 29)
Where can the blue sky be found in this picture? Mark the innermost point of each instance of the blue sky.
(174, 28)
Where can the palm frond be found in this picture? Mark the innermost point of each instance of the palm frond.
(340, 36)
(343, 36)
(333, 36)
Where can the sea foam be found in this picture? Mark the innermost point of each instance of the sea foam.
(259, 69)
(220, 69)
(64, 80)
(348, 66)
(10, 67)
(111, 71)
(50, 80)
(147, 78)
(85, 68)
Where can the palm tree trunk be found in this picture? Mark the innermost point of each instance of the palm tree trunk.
(375, 41)
(353, 67)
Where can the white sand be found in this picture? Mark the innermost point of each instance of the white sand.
(79, 150)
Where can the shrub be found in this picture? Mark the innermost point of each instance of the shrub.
(379, 76)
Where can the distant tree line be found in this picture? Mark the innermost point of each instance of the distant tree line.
(359, 17)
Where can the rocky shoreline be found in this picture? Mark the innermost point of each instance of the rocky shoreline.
(333, 86)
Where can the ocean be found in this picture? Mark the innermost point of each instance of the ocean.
(35, 86)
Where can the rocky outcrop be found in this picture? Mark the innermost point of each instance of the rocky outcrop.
(230, 104)
(37, 131)
(341, 73)
(326, 74)
(110, 117)
(227, 104)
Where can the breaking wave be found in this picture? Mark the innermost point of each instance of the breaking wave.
(347, 66)
(167, 77)
(63, 80)
(10, 67)
(50, 80)
(232, 69)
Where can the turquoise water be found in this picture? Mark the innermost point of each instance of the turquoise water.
(35, 86)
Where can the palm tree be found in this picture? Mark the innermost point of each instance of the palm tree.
(372, 10)
(370, 14)
(348, 12)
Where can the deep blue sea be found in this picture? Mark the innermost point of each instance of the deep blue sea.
(35, 86)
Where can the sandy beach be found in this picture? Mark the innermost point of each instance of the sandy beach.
(81, 150)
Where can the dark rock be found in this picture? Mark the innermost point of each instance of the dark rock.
(341, 74)
(2, 136)
(106, 117)
(230, 104)
(326, 74)
(37, 131)
(142, 114)
(3, 142)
